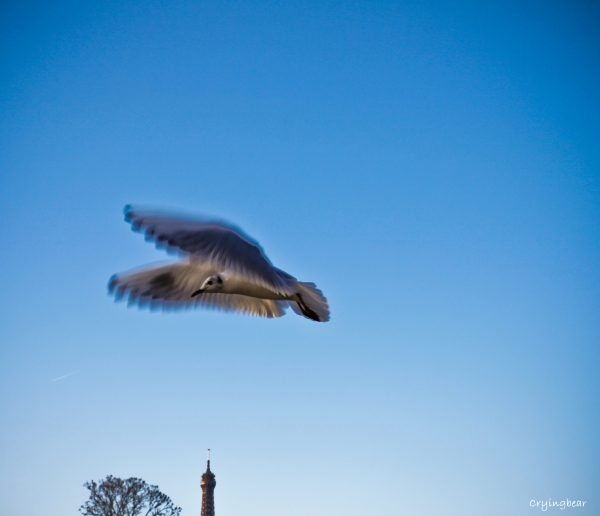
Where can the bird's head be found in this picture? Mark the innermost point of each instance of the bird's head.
(213, 283)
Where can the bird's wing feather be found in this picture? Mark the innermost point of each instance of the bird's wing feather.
(219, 243)
(172, 282)
(171, 286)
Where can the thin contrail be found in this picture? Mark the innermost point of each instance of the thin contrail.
(64, 376)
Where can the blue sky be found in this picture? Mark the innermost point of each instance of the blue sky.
(431, 166)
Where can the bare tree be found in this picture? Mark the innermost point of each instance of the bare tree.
(130, 497)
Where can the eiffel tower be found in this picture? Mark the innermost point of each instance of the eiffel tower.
(208, 484)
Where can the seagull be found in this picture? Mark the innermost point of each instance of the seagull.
(219, 267)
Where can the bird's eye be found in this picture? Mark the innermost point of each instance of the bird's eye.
(209, 283)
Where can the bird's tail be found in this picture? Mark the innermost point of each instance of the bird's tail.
(311, 302)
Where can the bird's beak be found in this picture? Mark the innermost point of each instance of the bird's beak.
(198, 292)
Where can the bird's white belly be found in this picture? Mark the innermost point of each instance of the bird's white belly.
(245, 288)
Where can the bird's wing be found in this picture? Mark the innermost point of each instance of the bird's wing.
(172, 283)
(166, 287)
(216, 242)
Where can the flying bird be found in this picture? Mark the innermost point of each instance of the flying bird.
(219, 267)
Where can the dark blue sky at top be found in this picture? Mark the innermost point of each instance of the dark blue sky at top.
(431, 166)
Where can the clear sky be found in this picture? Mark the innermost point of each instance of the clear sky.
(432, 166)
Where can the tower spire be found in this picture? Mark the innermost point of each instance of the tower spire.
(208, 484)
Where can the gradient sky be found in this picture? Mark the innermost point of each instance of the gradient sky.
(432, 166)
